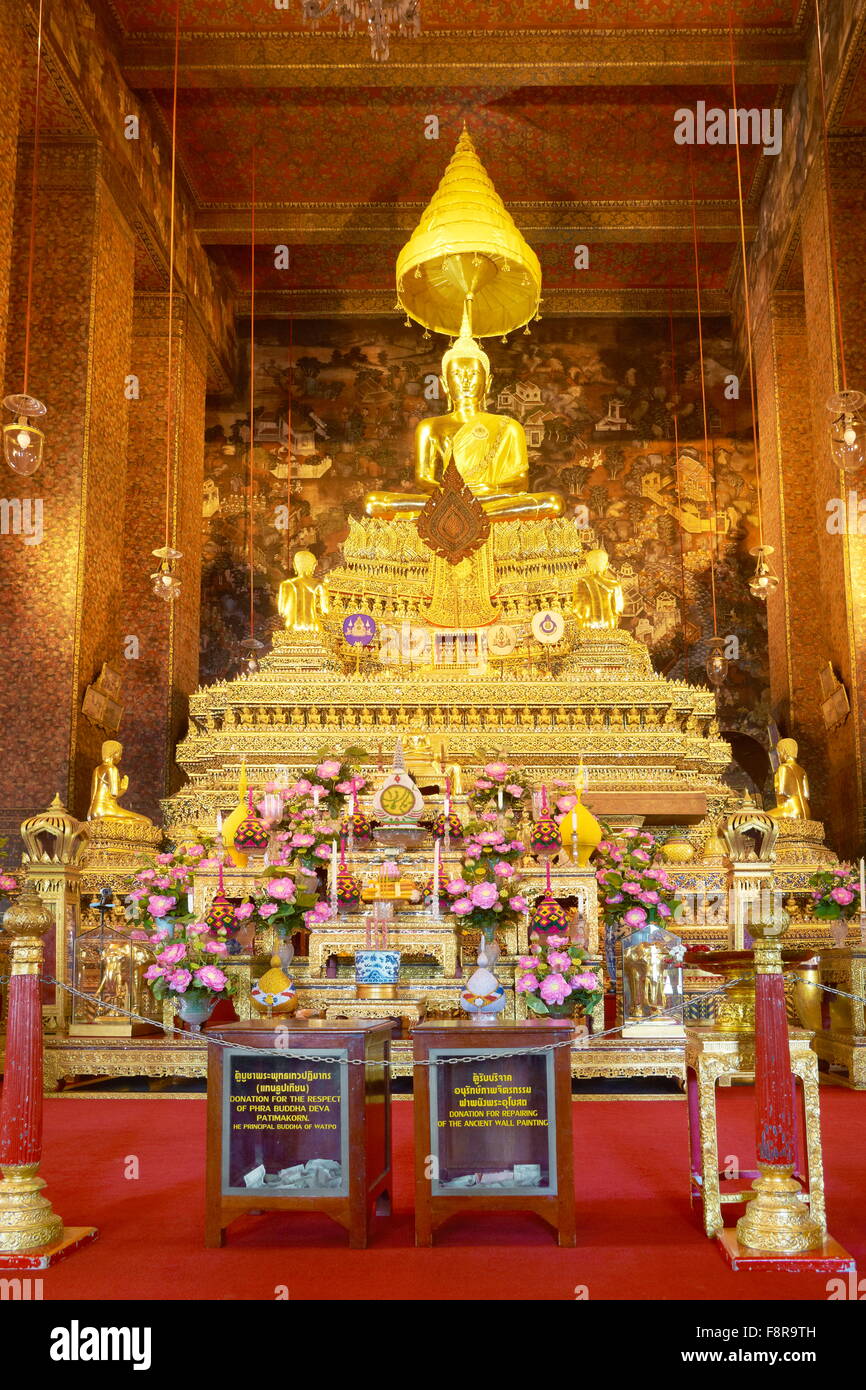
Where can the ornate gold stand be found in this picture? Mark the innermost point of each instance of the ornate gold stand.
(711, 1057)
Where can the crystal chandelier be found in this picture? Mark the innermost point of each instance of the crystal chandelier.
(380, 16)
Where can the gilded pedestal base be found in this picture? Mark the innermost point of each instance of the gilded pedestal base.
(27, 1221)
(712, 1056)
(778, 1220)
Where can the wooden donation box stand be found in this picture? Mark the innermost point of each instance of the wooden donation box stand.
(287, 1134)
(492, 1129)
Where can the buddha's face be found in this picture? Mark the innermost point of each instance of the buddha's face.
(466, 380)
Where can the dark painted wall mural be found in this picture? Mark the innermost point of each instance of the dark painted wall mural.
(614, 419)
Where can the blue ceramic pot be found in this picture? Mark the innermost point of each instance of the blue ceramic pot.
(377, 967)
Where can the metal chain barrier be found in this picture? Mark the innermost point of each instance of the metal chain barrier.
(584, 1044)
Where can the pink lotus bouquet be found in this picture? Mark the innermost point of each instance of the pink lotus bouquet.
(835, 893)
(161, 893)
(9, 885)
(308, 845)
(555, 979)
(500, 788)
(188, 962)
(282, 902)
(633, 889)
(486, 894)
(325, 789)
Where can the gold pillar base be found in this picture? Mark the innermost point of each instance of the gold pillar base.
(778, 1220)
(27, 1221)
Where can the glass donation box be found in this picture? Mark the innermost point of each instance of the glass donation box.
(290, 1134)
(493, 1122)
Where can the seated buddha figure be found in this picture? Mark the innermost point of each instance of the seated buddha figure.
(107, 786)
(488, 450)
(302, 600)
(598, 599)
(791, 784)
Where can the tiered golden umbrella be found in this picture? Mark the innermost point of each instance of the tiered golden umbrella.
(466, 252)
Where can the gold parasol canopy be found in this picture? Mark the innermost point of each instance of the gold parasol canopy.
(466, 247)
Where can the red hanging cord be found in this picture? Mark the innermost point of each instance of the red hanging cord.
(31, 253)
(831, 222)
(710, 471)
(169, 405)
(252, 391)
(746, 295)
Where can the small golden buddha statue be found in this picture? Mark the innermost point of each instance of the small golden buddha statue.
(488, 450)
(427, 767)
(598, 599)
(791, 784)
(301, 601)
(107, 786)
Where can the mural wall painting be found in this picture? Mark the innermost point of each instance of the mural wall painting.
(614, 419)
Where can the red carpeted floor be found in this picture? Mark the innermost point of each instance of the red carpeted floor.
(636, 1236)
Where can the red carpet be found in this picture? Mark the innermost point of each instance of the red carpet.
(636, 1236)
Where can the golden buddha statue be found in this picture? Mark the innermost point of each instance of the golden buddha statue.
(488, 450)
(598, 599)
(791, 784)
(427, 767)
(301, 601)
(107, 786)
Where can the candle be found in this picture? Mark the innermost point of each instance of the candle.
(317, 792)
(447, 797)
(334, 877)
(190, 902)
(574, 831)
(437, 859)
(499, 796)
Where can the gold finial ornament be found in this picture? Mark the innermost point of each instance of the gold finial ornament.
(54, 836)
(466, 245)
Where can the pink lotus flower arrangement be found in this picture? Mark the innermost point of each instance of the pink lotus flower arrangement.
(633, 889)
(282, 901)
(326, 789)
(555, 980)
(9, 885)
(486, 894)
(160, 893)
(500, 787)
(188, 963)
(835, 893)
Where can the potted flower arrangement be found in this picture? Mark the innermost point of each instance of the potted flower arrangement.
(323, 790)
(555, 980)
(161, 892)
(835, 893)
(283, 904)
(500, 788)
(9, 885)
(187, 969)
(486, 894)
(634, 890)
